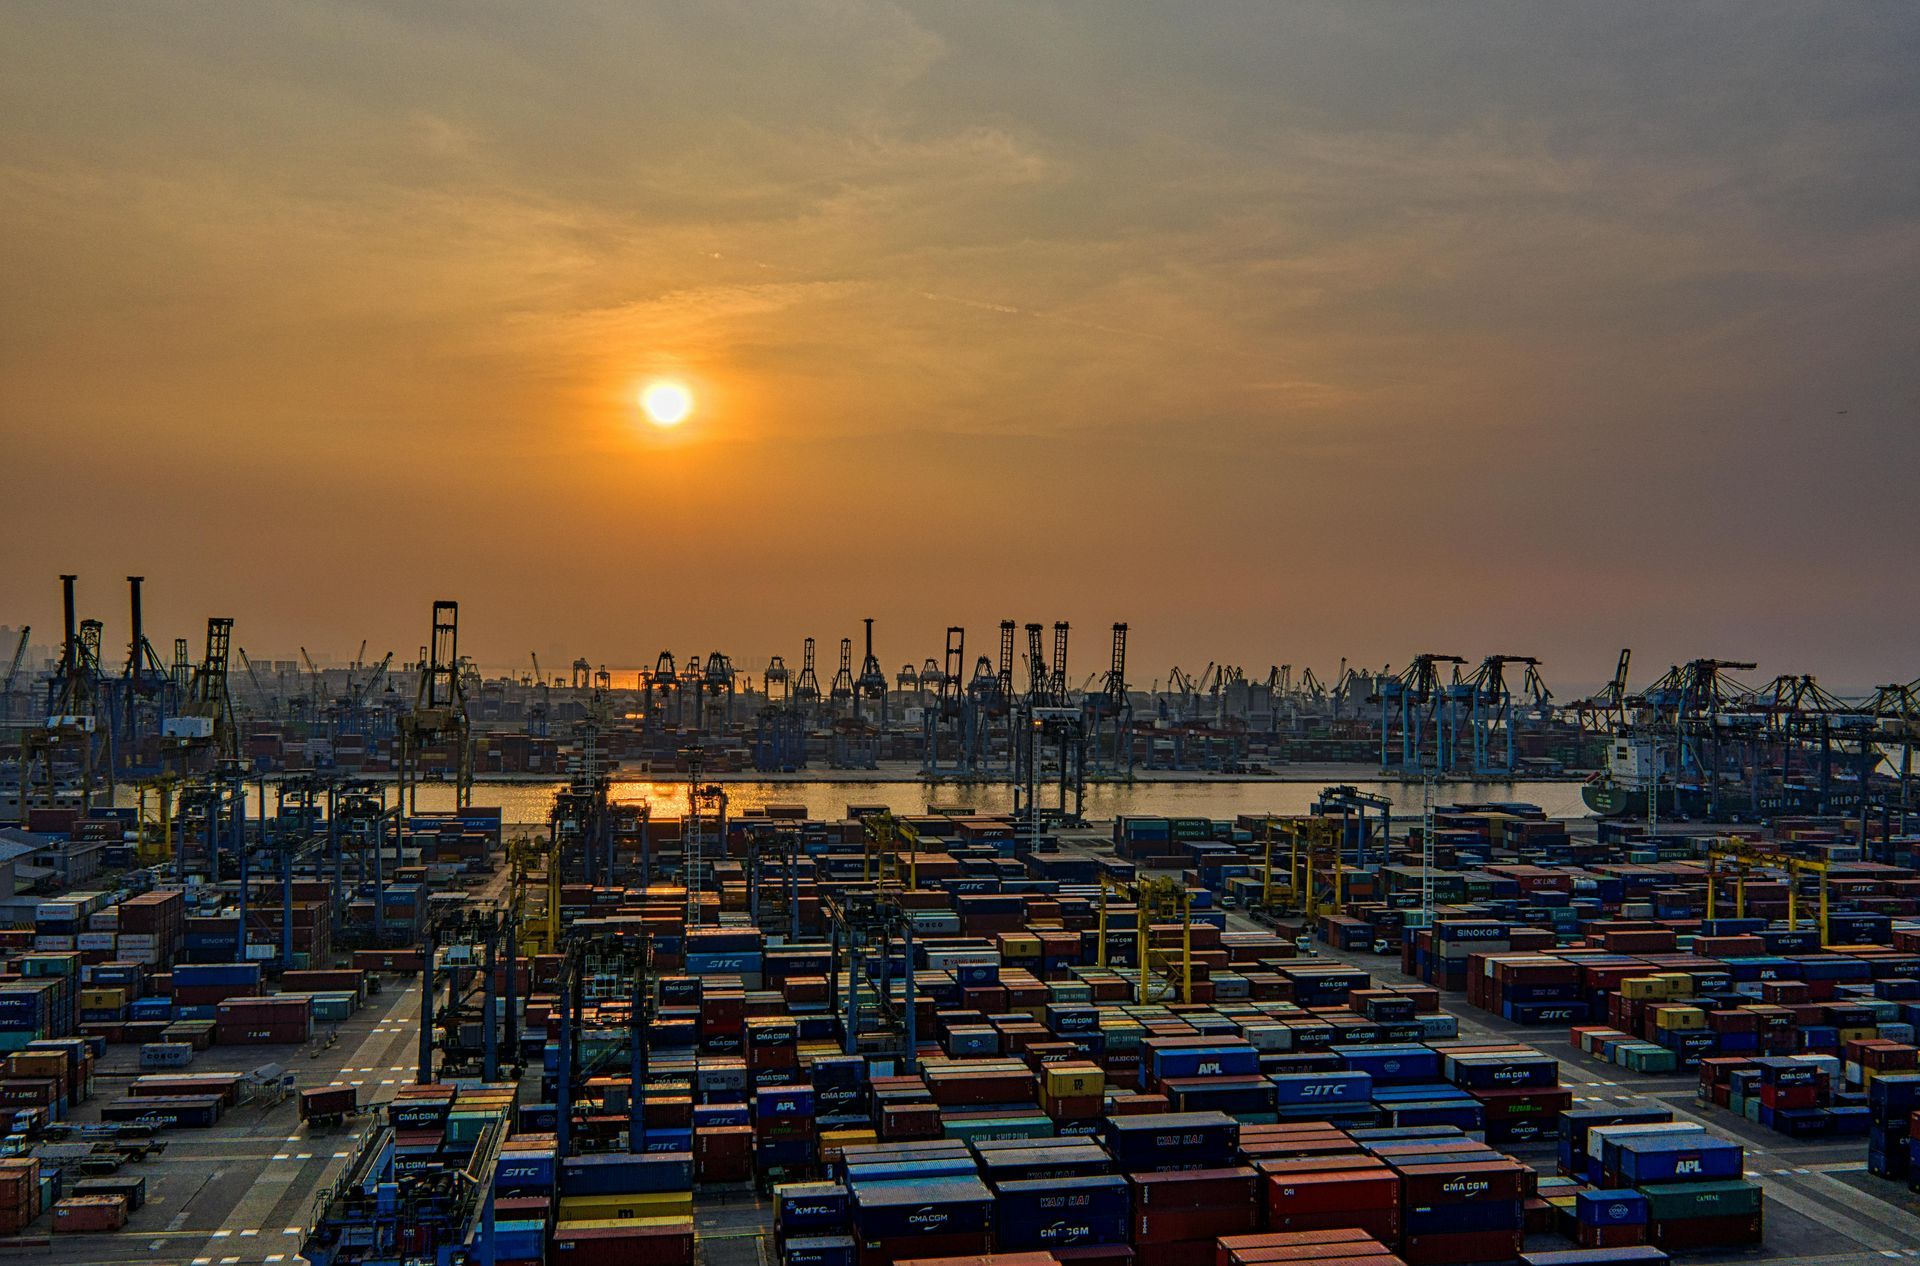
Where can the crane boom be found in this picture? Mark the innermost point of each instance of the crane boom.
(13, 673)
(19, 658)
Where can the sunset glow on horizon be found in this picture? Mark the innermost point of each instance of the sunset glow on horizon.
(1284, 332)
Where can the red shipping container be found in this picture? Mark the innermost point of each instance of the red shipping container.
(1095, 1255)
(1232, 1244)
(1162, 1226)
(1324, 1191)
(1187, 1189)
(1592, 1236)
(1175, 1253)
(1465, 1246)
(90, 1214)
(1365, 1253)
(1730, 1231)
(600, 1244)
(885, 1252)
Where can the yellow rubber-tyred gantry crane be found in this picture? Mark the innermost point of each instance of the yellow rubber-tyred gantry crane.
(1152, 897)
(1745, 858)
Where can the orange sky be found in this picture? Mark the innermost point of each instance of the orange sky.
(1281, 331)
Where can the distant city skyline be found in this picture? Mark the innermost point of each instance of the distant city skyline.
(1280, 331)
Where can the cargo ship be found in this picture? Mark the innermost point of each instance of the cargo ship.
(1637, 761)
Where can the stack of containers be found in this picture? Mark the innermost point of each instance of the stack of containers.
(784, 1129)
(523, 1190)
(1518, 1088)
(810, 1224)
(1575, 1159)
(199, 988)
(1893, 1101)
(1439, 957)
(212, 938)
(723, 1144)
(1186, 1189)
(1055, 1196)
(935, 1215)
(1407, 1088)
(637, 1204)
(279, 1020)
(1794, 1095)
(1340, 1247)
(1460, 1201)
(1317, 1179)
(151, 927)
(1610, 1219)
(1696, 1195)
(19, 1193)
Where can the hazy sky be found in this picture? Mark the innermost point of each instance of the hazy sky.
(1283, 331)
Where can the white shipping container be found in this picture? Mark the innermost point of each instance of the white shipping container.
(52, 944)
(95, 941)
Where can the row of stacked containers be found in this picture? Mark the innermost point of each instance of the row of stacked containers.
(1169, 1189)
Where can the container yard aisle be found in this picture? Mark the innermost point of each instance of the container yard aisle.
(242, 1192)
(280, 1199)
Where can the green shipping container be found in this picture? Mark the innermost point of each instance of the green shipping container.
(1682, 1201)
(1022, 1127)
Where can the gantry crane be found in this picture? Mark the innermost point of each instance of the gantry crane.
(840, 695)
(439, 713)
(806, 690)
(71, 732)
(1427, 724)
(880, 860)
(1110, 714)
(872, 682)
(1151, 897)
(13, 674)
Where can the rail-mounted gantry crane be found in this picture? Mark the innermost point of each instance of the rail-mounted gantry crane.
(840, 695)
(71, 736)
(872, 682)
(806, 688)
(12, 674)
(1414, 708)
(1496, 714)
(439, 716)
(1109, 715)
(947, 722)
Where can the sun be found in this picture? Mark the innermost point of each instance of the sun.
(666, 403)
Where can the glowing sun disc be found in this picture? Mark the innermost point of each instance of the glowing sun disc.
(666, 403)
